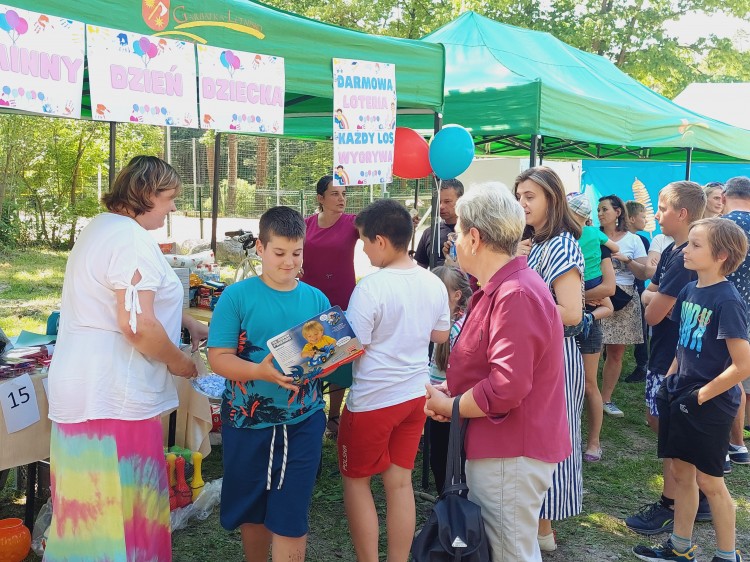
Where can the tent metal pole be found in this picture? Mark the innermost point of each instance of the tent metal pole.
(435, 223)
(112, 151)
(532, 152)
(688, 163)
(541, 149)
(215, 195)
(435, 237)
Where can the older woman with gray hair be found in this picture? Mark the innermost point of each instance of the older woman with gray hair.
(507, 371)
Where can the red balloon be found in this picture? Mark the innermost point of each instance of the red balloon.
(411, 154)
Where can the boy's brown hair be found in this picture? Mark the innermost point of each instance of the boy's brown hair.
(725, 238)
(634, 208)
(138, 182)
(686, 195)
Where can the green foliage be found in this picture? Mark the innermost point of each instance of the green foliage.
(315, 161)
(50, 172)
(631, 33)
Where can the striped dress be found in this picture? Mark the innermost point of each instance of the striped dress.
(564, 498)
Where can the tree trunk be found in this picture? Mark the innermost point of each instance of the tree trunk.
(261, 171)
(75, 181)
(4, 178)
(596, 45)
(232, 174)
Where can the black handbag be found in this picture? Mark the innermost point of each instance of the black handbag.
(455, 529)
(620, 299)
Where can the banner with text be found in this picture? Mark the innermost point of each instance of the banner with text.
(142, 79)
(364, 121)
(41, 62)
(241, 91)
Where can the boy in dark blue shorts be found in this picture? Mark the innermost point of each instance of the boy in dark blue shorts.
(272, 430)
(680, 204)
(699, 397)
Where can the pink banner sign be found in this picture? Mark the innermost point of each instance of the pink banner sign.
(41, 62)
(364, 121)
(141, 79)
(241, 91)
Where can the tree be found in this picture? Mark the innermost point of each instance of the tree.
(49, 171)
(630, 33)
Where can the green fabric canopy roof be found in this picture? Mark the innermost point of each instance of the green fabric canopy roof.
(306, 45)
(506, 84)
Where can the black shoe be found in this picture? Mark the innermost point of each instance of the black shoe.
(638, 375)
(704, 511)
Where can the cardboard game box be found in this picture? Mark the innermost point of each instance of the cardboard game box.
(316, 347)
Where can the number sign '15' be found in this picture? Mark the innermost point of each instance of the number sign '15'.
(19, 405)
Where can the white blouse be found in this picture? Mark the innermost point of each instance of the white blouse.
(95, 372)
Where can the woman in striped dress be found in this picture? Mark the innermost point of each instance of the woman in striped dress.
(554, 253)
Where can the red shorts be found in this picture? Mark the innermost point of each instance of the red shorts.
(369, 442)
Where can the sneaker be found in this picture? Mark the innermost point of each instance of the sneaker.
(638, 375)
(664, 551)
(612, 410)
(704, 511)
(738, 454)
(652, 519)
(737, 559)
(727, 465)
(547, 543)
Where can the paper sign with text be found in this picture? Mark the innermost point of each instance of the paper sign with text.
(141, 79)
(241, 91)
(364, 121)
(19, 405)
(41, 62)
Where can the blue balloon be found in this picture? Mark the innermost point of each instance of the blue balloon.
(223, 59)
(4, 23)
(6, 90)
(451, 152)
(41, 96)
(135, 107)
(137, 48)
(163, 110)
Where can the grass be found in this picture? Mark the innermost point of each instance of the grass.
(628, 476)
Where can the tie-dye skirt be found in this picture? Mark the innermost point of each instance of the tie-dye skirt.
(110, 493)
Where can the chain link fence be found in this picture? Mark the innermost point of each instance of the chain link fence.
(257, 173)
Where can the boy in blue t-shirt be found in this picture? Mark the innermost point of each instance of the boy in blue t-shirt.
(699, 397)
(272, 429)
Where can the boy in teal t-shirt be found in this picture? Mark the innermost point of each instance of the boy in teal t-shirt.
(590, 241)
(272, 429)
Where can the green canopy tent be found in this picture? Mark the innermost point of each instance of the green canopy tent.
(306, 45)
(523, 92)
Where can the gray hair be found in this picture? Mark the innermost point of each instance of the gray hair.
(738, 187)
(495, 213)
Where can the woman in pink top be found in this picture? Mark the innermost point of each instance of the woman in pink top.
(329, 266)
(508, 366)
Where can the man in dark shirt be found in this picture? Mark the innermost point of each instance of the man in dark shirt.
(450, 192)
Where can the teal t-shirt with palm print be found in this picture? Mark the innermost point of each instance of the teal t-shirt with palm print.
(247, 315)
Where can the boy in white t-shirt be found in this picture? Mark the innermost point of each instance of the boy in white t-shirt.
(395, 313)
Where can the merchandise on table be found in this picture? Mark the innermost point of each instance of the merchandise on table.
(211, 385)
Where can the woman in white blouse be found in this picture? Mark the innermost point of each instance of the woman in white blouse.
(111, 377)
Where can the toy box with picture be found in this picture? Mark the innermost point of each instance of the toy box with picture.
(316, 347)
